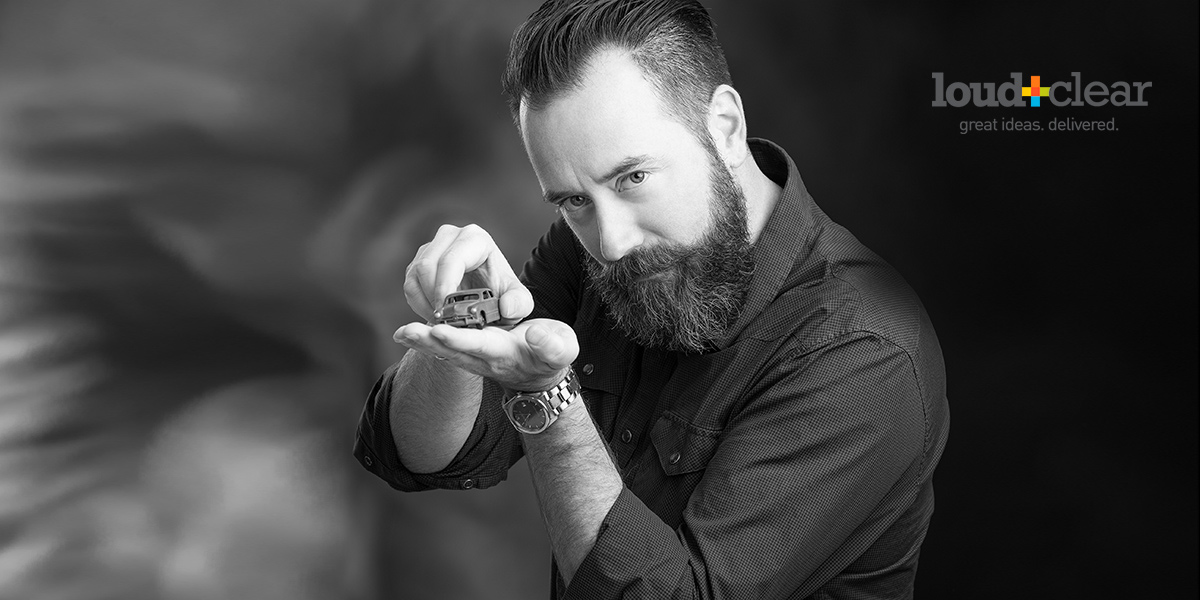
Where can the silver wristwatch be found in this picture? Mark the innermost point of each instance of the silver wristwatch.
(533, 412)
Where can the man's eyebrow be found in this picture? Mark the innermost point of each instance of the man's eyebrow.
(552, 197)
(628, 163)
(625, 165)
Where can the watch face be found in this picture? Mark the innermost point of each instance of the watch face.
(529, 414)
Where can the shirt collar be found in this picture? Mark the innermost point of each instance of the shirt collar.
(785, 239)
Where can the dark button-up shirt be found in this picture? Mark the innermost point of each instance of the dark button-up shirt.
(794, 461)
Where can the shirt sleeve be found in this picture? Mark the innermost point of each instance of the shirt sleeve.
(824, 456)
(552, 275)
(483, 461)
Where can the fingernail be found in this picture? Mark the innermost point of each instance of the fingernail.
(536, 335)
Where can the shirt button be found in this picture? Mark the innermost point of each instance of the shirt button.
(674, 458)
(588, 368)
(626, 436)
(468, 484)
(367, 461)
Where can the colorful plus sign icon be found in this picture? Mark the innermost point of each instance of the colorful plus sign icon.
(1035, 91)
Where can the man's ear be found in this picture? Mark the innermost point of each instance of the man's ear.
(727, 125)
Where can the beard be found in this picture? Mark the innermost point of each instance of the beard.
(683, 297)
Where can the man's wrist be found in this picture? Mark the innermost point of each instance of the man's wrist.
(537, 385)
(534, 411)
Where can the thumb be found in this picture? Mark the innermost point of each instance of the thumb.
(516, 302)
(552, 342)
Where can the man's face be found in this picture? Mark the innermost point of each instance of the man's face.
(656, 209)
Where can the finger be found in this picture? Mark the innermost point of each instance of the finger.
(516, 302)
(449, 275)
(471, 249)
(491, 345)
(552, 342)
(403, 334)
(427, 264)
(419, 337)
(416, 298)
(409, 334)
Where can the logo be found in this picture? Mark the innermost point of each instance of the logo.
(1035, 92)
(1060, 93)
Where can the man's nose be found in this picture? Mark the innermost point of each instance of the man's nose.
(618, 229)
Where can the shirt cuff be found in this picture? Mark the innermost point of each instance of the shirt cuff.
(635, 555)
(483, 461)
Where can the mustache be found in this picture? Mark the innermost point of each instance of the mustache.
(642, 262)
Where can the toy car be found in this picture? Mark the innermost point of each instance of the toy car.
(469, 308)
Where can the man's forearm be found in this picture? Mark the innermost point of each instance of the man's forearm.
(576, 482)
(433, 408)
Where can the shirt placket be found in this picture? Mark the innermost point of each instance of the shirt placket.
(629, 437)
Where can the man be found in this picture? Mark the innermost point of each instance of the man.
(720, 392)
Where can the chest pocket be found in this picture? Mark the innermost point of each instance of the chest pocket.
(682, 447)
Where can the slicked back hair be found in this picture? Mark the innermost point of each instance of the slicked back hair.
(672, 41)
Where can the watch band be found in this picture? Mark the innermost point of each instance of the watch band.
(562, 395)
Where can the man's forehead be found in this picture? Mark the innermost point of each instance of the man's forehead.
(610, 80)
(589, 143)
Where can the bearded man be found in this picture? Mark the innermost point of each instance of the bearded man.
(720, 392)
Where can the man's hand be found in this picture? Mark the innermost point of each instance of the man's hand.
(530, 356)
(463, 253)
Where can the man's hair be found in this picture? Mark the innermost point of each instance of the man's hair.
(672, 41)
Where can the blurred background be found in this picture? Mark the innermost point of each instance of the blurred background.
(206, 207)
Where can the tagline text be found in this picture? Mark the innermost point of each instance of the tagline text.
(1013, 124)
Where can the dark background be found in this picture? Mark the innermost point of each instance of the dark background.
(316, 143)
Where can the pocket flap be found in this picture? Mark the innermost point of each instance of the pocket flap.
(681, 446)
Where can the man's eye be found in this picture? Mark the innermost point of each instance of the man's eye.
(635, 178)
(573, 203)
